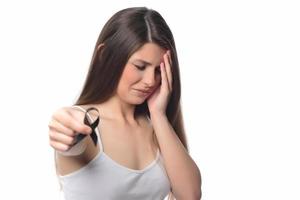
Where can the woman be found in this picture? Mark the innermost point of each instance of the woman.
(134, 83)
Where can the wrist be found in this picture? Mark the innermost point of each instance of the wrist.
(157, 116)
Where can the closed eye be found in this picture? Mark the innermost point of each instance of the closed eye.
(140, 67)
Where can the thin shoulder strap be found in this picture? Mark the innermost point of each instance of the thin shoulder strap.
(97, 129)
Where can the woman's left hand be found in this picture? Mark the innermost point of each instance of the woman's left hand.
(158, 100)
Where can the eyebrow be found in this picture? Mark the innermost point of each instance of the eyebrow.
(143, 61)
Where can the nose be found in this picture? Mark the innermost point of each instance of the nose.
(149, 79)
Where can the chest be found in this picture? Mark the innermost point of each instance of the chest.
(131, 147)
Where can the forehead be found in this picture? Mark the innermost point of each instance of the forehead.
(150, 52)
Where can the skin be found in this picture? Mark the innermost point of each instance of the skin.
(141, 135)
(118, 122)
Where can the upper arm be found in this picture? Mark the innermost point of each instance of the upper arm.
(69, 164)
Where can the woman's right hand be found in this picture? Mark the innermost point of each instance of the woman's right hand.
(64, 125)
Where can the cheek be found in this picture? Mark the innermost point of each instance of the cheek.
(130, 76)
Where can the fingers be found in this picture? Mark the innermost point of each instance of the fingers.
(65, 124)
(164, 79)
(59, 146)
(61, 138)
(169, 70)
(167, 73)
(72, 119)
(169, 57)
(56, 126)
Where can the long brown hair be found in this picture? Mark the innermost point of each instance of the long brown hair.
(123, 34)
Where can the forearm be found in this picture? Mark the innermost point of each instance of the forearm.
(183, 172)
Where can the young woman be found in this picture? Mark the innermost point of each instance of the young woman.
(134, 83)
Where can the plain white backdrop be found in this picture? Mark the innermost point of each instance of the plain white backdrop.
(239, 63)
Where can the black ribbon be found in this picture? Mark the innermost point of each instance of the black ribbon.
(93, 126)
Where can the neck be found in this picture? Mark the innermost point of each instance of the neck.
(117, 110)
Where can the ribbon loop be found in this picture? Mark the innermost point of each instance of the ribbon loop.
(92, 125)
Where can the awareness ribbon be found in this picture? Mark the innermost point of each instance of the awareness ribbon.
(93, 126)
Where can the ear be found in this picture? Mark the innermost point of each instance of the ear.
(100, 47)
(99, 50)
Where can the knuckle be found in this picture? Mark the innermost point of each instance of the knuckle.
(69, 123)
(72, 141)
(50, 124)
(52, 144)
(70, 133)
(66, 147)
(51, 134)
(73, 133)
(69, 141)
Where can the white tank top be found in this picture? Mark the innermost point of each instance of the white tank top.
(105, 179)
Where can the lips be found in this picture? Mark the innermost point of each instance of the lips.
(145, 92)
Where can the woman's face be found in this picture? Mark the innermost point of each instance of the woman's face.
(141, 73)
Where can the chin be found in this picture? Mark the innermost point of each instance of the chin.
(139, 101)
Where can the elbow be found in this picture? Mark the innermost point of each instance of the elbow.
(196, 195)
(197, 192)
(192, 191)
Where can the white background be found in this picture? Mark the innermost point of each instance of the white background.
(239, 63)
